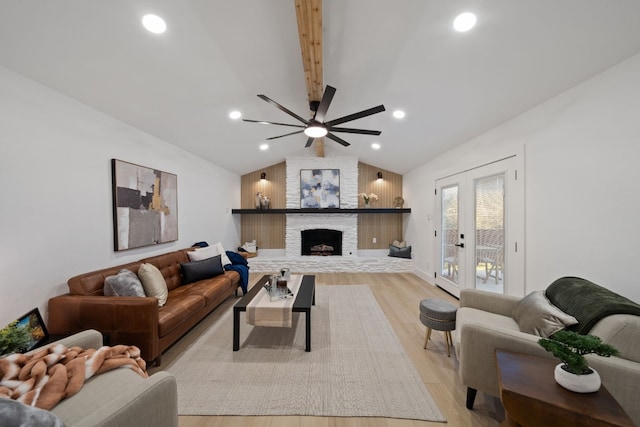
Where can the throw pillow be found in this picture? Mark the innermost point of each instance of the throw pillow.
(250, 246)
(223, 254)
(203, 253)
(153, 282)
(398, 244)
(397, 252)
(17, 414)
(199, 270)
(124, 284)
(536, 315)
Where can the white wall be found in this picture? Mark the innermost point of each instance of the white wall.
(55, 187)
(582, 176)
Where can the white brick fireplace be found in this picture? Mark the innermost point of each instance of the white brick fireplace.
(347, 223)
(351, 259)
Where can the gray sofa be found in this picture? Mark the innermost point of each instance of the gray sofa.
(485, 322)
(120, 397)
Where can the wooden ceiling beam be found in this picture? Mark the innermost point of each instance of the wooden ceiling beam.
(309, 17)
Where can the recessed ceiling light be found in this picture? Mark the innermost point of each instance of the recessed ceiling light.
(375, 146)
(398, 114)
(264, 147)
(154, 24)
(235, 115)
(464, 22)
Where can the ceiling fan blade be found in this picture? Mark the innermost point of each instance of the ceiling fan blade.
(271, 123)
(309, 142)
(355, 116)
(327, 97)
(351, 130)
(289, 112)
(338, 140)
(286, 134)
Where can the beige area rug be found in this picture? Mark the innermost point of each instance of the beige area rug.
(356, 368)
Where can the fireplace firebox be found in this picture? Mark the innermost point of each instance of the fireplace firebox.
(321, 242)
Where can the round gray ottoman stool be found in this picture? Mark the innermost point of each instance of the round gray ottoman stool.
(439, 315)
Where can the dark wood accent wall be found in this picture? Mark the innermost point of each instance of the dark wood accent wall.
(269, 230)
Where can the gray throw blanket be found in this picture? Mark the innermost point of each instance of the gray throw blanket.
(587, 302)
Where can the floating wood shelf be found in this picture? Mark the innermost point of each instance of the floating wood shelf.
(322, 211)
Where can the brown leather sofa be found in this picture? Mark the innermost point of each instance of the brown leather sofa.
(140, 321)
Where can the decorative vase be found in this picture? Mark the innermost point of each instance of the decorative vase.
(578, 383)
(265, 203)
(367, 205)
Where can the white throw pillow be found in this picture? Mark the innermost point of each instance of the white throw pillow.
(399, 244)
(153, 282)
(203, 253)
(250, 246)
(223, 254)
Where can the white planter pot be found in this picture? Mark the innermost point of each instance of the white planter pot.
(578, 383)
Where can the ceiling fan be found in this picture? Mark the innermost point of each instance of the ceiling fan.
(317, 127)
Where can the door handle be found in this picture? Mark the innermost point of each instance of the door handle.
(461, 245)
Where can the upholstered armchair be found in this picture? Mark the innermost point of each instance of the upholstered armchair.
(487, 321)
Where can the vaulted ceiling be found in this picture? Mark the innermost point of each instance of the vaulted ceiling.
(216, 56)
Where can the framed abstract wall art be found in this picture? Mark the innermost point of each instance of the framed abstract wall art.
(319, 188)
(145, 206)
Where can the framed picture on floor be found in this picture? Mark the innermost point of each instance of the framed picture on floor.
(319, 188)
(145, 206)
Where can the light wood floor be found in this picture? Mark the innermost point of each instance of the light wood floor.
(399, 295)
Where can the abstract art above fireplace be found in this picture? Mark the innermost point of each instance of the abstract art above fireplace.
(320, 188)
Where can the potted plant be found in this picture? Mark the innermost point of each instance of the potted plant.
(368, 198)
(13, 338)
(570, 347)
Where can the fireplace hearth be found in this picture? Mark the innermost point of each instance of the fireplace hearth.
(321, 242)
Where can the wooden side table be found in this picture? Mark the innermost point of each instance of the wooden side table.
(531, 396)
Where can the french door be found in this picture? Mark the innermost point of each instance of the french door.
(479, 224)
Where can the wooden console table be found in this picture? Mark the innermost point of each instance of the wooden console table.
(531, 396)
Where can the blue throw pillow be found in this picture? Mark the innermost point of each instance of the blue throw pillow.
(397, 252)
(199, 270)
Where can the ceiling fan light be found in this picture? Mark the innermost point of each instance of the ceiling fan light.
(315, 131)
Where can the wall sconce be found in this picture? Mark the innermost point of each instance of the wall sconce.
(379, 175)
(263, 176)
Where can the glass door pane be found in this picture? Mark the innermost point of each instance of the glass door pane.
(489, 239)
(450, 226)
(451, 272)
(480, 219)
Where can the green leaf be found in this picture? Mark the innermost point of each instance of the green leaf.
(570, 347)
